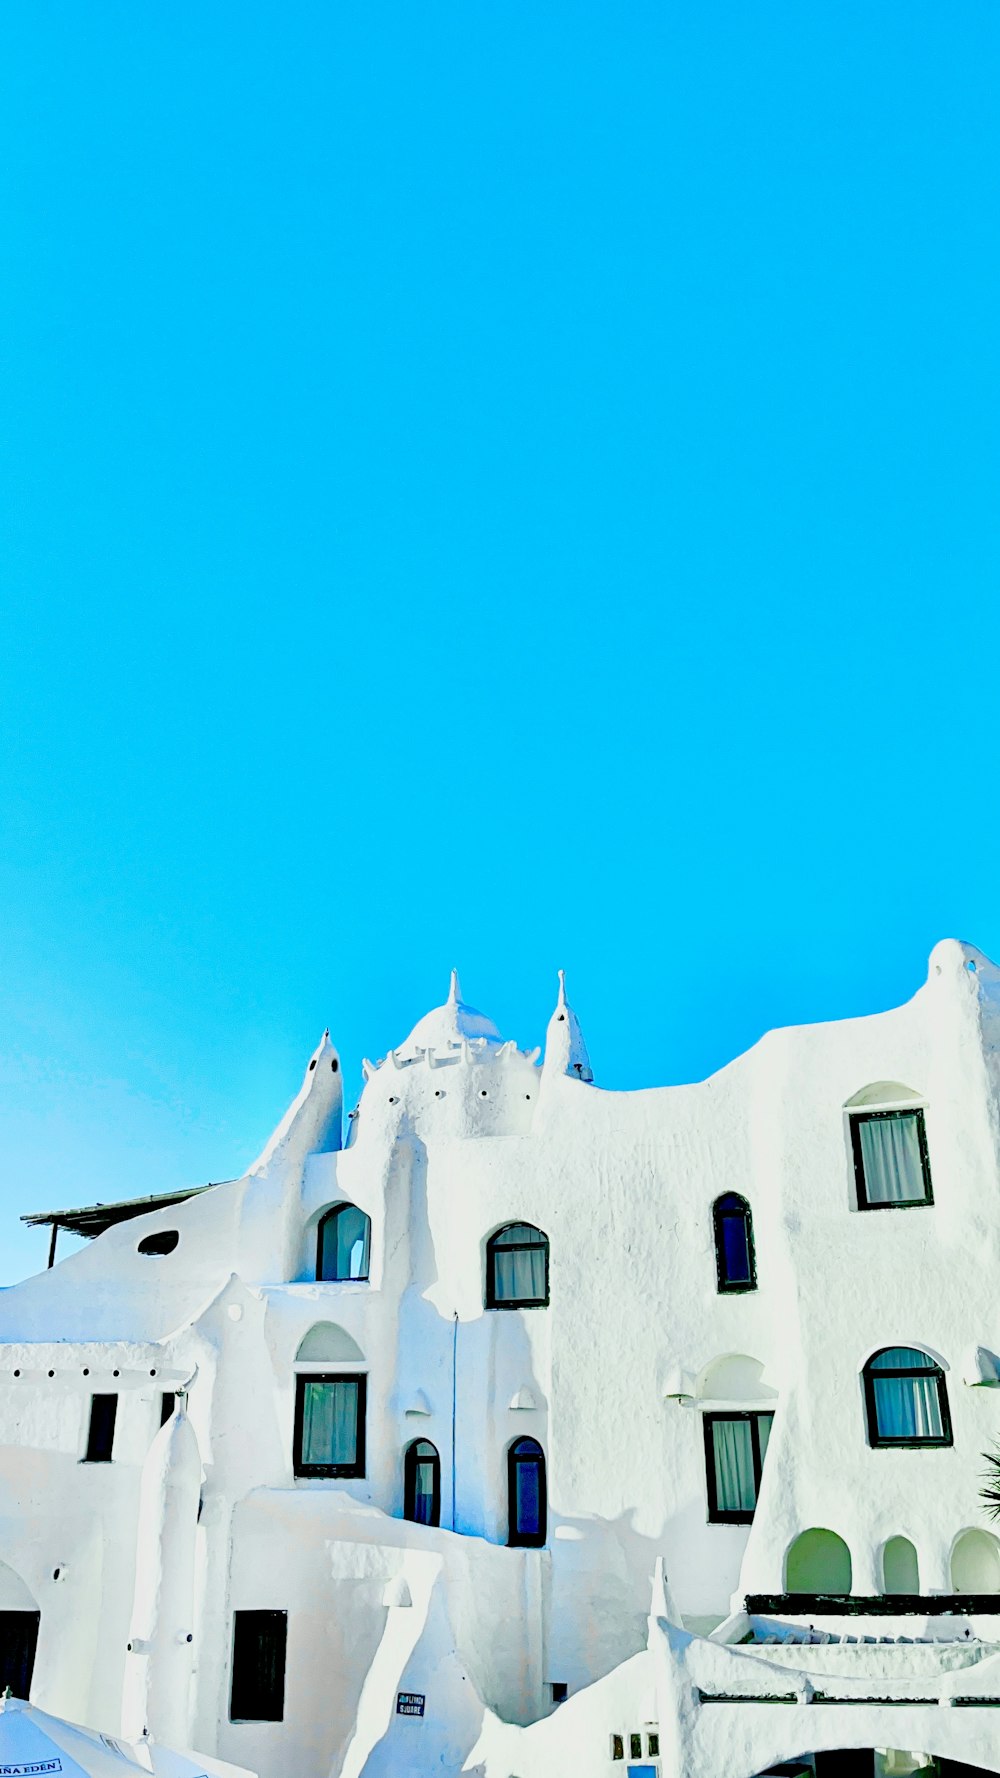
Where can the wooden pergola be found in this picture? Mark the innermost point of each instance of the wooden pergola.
(95, 1218)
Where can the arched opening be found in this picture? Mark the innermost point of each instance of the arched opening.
(975, 1563)
(889, 1147)
(343, 1246)
(906, 1399)
(818, 1562)
(517, 1268)
(422, 1483)
(19, 1621)
(735, 1264)
(900, 1569)
(527, 1507)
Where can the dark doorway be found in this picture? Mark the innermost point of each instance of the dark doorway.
(18, 1641)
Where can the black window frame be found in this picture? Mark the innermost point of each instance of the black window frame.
(857, 1118)
(876, 1440)
(492, 1246)
(241, 1680)
(329, 1216)
(411, 1457)
(527, 1540)
(330, 1470)
(101, 1428)
(716, 1514)
(727, 1286)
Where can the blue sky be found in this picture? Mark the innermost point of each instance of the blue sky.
(506, 485)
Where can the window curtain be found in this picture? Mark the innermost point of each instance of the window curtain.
(518, 1275)
(907, 1407)
(423, 1491)
(330, 1422)
(346, 1245)
(735, 1488)
(890, 1152)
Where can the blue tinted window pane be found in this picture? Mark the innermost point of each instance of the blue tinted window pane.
(735, 1250)
(346, 1240)
(528, 1504)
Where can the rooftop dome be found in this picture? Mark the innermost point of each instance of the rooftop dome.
(450, 1024)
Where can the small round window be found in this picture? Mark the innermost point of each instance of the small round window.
(164, 1241)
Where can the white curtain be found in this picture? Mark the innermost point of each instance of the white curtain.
(735, 1489)
(890, 1151)
(330, 1422)
(520, 1274)
(908, 1407)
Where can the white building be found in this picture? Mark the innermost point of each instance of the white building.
(461, 1391)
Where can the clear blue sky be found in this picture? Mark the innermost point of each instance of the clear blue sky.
(506, 485)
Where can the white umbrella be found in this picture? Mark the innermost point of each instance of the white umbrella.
(34, 1744)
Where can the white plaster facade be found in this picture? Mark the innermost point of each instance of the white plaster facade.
(138, 1565)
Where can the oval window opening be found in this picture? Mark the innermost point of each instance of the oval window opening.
(164, 1241)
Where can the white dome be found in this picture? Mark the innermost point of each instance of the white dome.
(450, 1024)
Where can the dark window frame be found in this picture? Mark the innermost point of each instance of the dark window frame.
(244, 1622)
(878, 1441)
(327, 1470)
(329, 1216)
(716, 1514)
(857, 1118)
(100, 1434)
(492, 1247)
(729, 1286)
(411, 1457)
(527, 1540)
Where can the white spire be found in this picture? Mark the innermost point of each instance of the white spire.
(565, 1050)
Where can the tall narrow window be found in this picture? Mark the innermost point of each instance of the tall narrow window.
(330, 1425)
(735, 1447)
(101, 1433)
(168, 1402)
(734, 1256)
(18, 1641)
(517, 1268)
(422, 1483)
(343, 1245)
(526, 1494)
(906, 1399)
(257, 1691)
(891, 1165)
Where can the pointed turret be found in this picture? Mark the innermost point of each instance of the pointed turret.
(312, 1123)
(565, 1050)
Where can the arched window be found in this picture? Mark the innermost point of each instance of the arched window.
(892, 1168)
(343, 1245)
(517, 1268)
(906, 1399)
(734, 1259)
(422, 1483)
(526, 1497)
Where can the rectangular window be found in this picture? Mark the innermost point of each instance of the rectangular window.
(101, 1435)
(18, 1641)
(735, 1446)
(891, 1164)
(168, 1402)
(257, 1692)
(330, 1426)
